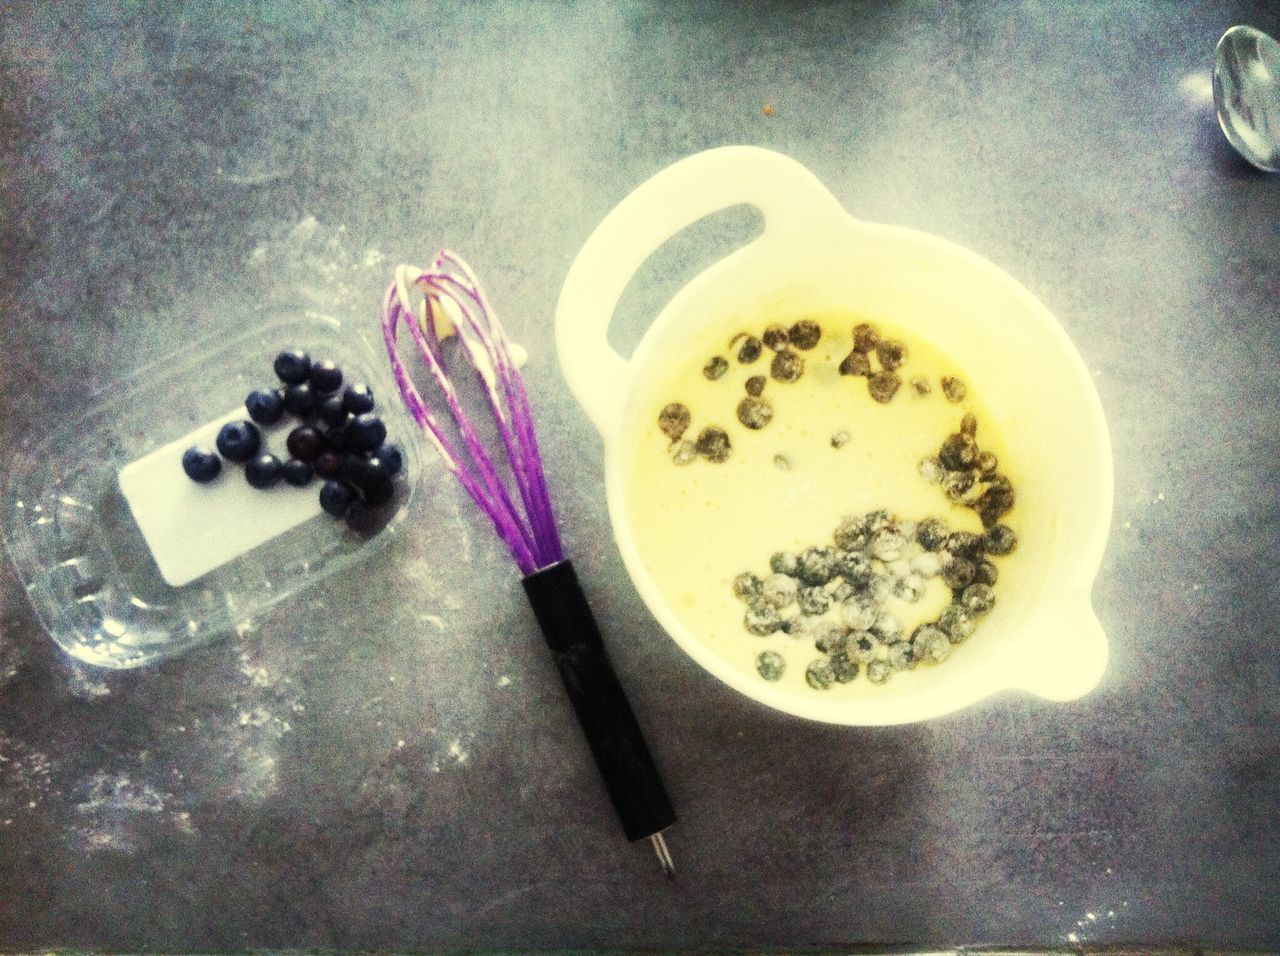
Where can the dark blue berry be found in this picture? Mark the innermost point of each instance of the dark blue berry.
(265, 405)
(358, 399)
(328, 464)
(354, 470)
(378, 488)
(326, 377)
(299, 399)
(336, 497)
(362, 517)
(305, 443)
(263, 471)
(366, 432)
(201, 464)
(369, 475)
(391, 457)
(297, 473)
(339, 436)
(333, 411)
(293, 366)
(238, 441)
(378, 466)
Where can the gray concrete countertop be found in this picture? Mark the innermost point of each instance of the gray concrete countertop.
(388, 762)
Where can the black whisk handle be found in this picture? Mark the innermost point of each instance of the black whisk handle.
(598, 699)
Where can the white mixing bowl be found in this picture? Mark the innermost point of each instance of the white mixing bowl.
(1043, 636)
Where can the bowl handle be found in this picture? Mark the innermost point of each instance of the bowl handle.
(1069, 655)
(786, 193)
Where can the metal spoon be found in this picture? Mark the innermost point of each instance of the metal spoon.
(1246, 89)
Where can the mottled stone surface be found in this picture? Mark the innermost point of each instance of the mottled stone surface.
(388, 761)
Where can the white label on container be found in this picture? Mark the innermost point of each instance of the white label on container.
(192, 528)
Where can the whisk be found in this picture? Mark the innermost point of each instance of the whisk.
(524, 521)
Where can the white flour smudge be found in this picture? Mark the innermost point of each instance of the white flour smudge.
(26, 778)
(118, 812)
(247, 741)
(1087, 926)
(258, 675)
(454, 754)
(85, 682)
(10, 661)
(317, 264)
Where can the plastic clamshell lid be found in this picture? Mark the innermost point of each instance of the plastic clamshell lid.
(127, 561)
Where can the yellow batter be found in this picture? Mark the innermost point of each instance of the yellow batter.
(786, 486)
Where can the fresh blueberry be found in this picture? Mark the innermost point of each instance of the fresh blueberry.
(370, 477)
(338, 437)
(238, 441)
(358, 399)
(328, 464)
(305, 443)
(378, 466)
(362, 517)
(391, 457)
(326, 377)
(297, 473)
(299, 398)
(263, 471)
(201, 464)
(332, 411)
(354, 469)
(367, 432)
(265, 405)
(336, 497)
(293, 366)
(378, 489)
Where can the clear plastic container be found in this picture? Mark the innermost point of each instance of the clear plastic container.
(88, 571)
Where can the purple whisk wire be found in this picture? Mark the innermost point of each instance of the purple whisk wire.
(520, 437)
(530, 532)
(508, 528)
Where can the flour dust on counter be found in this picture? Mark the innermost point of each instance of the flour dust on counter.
(116, 812)
(27, 778)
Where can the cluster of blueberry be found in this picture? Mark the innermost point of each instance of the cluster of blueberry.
(341, 440)
(882, 376)
(877, 359)
(968, 475)
(880, 360)
(837, 597)
(754, 411)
